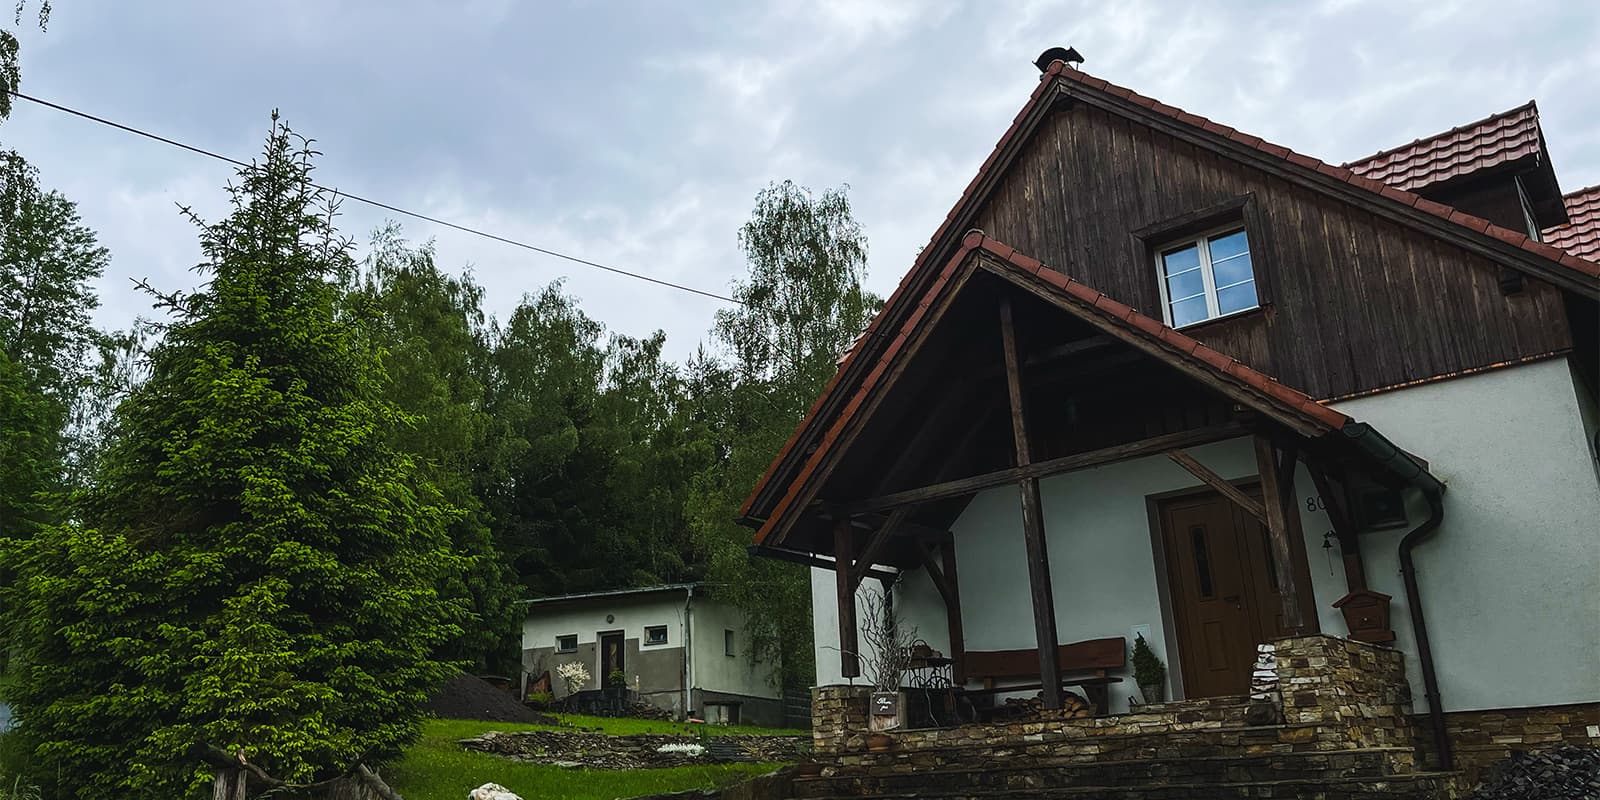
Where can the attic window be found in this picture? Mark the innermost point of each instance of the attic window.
(1206, 277)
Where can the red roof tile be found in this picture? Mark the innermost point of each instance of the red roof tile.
(1489, 142)
(1581, 236)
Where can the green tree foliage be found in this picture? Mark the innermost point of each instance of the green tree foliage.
(800, 307)
(593, 455)
(436, 353)
(48, 260)
(257, 565)
(10, 72)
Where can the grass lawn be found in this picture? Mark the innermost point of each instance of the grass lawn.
(436, 768)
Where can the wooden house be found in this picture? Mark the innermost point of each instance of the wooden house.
(1156, 376)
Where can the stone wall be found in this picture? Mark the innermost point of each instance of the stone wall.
(839, 719)
(1354, 686)
(1481, 739)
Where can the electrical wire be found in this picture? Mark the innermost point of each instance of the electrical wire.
(385, 206)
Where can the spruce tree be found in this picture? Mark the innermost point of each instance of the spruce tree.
(256, 566)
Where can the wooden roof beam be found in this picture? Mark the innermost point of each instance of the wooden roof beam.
(1040, 469)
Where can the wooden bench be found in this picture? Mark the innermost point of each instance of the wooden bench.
(1087, 665)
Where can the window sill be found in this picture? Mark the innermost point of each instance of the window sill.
(1243, 312)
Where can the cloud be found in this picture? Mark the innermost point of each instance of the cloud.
(638, 134)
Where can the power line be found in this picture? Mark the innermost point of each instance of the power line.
(385, 206)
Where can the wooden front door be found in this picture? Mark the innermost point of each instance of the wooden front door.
(1224, 591)
(611, 650)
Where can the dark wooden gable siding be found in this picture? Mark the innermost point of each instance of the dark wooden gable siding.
(1352, 302)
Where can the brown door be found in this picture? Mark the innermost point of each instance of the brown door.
(611, 649)
(1224, 591)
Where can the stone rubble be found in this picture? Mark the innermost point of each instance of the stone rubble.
(1563, 773)
(639, 751)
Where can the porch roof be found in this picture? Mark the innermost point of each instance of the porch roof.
(1283, 405)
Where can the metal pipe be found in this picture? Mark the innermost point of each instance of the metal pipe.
(1419, 629)
(1403, 466)
(688, 650)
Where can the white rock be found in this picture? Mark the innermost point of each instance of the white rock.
(492, 791)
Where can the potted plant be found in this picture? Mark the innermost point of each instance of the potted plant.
(889, 643)
(1148, 671)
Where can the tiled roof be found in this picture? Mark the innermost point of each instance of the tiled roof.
(1581, 236)
(1476, 224)
(1120, 320)
(1489, 142)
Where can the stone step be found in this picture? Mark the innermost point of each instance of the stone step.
(1025, 774)
(1419, 786)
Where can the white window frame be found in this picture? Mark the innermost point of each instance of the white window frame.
(1208, 278)
(572, 636)
(666, 636)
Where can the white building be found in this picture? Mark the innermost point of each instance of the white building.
(678, 646)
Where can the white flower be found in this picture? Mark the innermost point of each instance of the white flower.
(686, 749)
(574, 674)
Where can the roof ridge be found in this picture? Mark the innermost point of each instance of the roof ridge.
(1495, 117)
(1594, 189)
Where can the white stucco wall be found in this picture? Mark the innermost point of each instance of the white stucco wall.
(1511, 581)
(713, 669)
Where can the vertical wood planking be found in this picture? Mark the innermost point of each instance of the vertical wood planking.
(1357, 303)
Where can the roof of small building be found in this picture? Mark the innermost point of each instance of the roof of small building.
(605, 593)
(1580, 236)
(1463, 150)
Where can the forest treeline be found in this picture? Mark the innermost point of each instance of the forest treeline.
(274, 513)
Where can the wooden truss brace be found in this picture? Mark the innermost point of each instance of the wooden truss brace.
(1217, 482)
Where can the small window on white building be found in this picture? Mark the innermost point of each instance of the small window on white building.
(567, 643)
(655, 634)
(1206, 277)
(722, 713)
(727, 643)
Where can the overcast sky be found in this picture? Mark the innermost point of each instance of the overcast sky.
(637, 133)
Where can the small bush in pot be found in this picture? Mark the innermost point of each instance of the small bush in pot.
(1148, 671)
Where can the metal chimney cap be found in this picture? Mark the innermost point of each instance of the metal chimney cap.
(1067, 54)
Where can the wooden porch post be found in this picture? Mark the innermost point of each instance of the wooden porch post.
(849, 649)
(1277, 492)
(945, 581)
(1044, 609)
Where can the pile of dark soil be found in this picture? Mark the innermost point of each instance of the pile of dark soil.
(469, 697)
(1563, 773)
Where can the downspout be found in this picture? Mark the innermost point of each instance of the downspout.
(688, 649)
(1404, 466)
